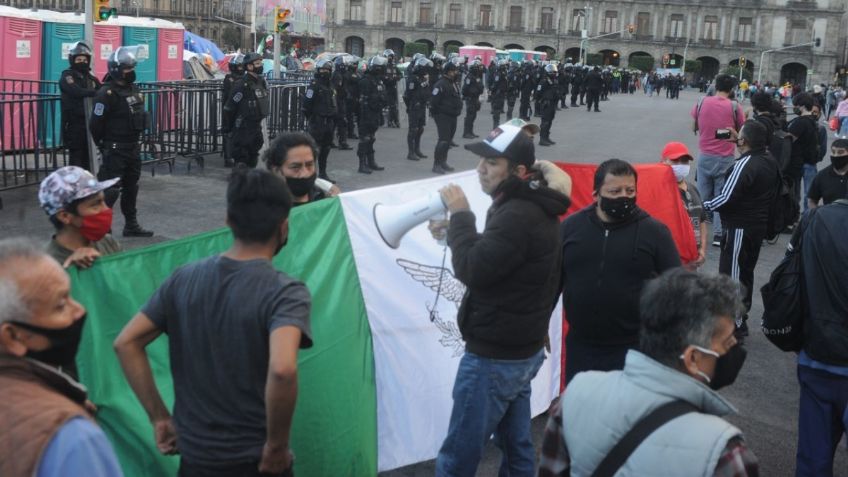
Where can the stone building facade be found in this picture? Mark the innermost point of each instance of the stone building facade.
(717, 33)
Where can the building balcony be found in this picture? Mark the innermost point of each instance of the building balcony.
(743, 44)
(616, 36)
(638, 37)
(710, 43)
(395, 24)
(801, 4)
(515, 29)
(349, 22)
(546, 31)
(675, 39)
(454, 26)
(484, 27)
(425, 24)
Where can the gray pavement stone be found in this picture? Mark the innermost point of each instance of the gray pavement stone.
(634, 128)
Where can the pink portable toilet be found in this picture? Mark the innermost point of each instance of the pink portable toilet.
(20, 59)
(107, 38)
(170, 66)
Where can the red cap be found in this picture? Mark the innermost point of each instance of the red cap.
(673, 151)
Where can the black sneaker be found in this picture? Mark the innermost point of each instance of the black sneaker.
(716, 240)
(135, 230)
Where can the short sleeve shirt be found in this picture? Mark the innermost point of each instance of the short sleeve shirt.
(716, 113)
(218, 314)
(828, 186)
(695, 208)
(805, 144)
(106, 246)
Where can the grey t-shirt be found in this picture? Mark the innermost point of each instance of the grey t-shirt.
(218, 314)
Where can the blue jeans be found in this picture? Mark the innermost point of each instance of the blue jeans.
(822, 420)
(711, 171)
(810, 171)
(490, 396)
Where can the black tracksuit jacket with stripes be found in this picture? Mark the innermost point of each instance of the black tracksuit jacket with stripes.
(750, 187)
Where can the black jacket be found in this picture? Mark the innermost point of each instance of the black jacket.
(445, 98)
(824, 255)
(749, 189)
(604, 267)
(593, 81)
(511, 270)
(75, 87)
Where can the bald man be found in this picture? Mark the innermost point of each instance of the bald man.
(46, 427)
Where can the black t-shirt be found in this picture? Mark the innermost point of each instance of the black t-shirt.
(805, 146)
(828, 186)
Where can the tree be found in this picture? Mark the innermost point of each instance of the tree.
(231, 37)
(411, 49)
(734, 71)
(451, 49)
(693, 66)
(643, 63)
(595, 59)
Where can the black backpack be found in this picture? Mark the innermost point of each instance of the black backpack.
(784, 209)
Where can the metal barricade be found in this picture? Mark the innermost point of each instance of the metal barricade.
(27, 153)
(287, 103)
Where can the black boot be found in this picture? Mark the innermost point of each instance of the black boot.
(133, 229)
(323, 175)
(352, 134)
(372, 164)
(418, 148)
(410, 145)
(453, 144)
(437, 167)
(447, 167)
(468, 135)
(344, 146)
(363, 165)
(544, 141)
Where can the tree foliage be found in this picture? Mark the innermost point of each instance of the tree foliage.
(411, 49)
(643, 63)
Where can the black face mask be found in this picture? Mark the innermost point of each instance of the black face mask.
(839, 162)
(797, 111)
(130, 77)
(64, 342)
(619, 208)
(81, 67)
(258, 70)
(728, 366)
(300, 186)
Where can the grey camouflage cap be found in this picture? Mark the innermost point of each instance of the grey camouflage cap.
(68, 184)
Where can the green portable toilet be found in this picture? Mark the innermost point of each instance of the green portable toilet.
(60, 32)
(148, 39)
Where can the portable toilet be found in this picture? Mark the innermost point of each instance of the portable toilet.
(61, 31)
(107, 38)
(485, 53)
(502, 54)
(516, 55)
(170, 64)
(142, 32)
(20, 59)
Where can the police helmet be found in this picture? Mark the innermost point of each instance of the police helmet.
(475, 64)
(339, 61)
(123, 57)
(437, 57)
(503, 63)
(324, 64)
(236, 63)
(551, 69)
(250, 57)
(389, 53)
(377, 64)
(422, 65)
(77, 49)
(449, 66)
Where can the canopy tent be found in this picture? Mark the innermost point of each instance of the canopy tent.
(198, 44)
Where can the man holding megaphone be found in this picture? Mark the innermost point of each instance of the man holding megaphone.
(512, 274)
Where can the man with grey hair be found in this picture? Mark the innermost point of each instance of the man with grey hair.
(661, 414)
(46, 423)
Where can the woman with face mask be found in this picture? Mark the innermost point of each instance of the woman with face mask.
(677, 155)
(292, 156)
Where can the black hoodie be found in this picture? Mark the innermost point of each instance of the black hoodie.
(511, 270)
(604, 266)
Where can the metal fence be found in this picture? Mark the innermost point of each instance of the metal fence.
(185, 123)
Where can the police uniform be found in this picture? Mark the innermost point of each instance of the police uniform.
(497, 94)
(76, 85)
(338, 83)
(320, 108)
(117, 121)
(390, 81)
(416, 96)
(226, 93)
(563, 81)
(513, 89)
(351, 84)
(243, 115)
(472, 88)
(528, 85)
(547, 94)
(446, 105)
(372, 100)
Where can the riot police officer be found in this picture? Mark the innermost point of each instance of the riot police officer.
(513, 88)
(528, 85)
(390, 80)
(351, 83)
(563, 82)
(236, 65)
(338, 82)
(547, 94)
(416, 95)
(576, 84)
(498, 91)
(76, 84)
(320, 108)
(446, 105)
(471, 91)
(372, 100)
(438, 65)
(245, 110)
(117, 121)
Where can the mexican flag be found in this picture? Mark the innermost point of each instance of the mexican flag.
(375, 389)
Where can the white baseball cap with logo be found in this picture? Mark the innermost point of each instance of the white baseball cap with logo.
(512, 140)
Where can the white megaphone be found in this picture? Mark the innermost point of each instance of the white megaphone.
(394, 221)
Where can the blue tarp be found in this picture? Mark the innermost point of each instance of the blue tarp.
(198, 44)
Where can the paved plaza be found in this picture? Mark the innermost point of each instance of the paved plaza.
(634, 128)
